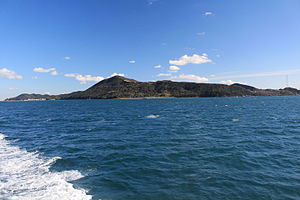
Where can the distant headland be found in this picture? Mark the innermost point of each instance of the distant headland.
(119, 87)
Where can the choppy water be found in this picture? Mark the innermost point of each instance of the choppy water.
(166, 149)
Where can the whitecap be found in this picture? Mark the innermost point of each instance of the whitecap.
(152, 116)
(26, 176)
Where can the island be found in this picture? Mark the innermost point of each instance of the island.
(119, 87)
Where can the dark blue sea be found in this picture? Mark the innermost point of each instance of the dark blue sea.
(151, 149)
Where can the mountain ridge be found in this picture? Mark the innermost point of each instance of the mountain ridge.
(118, 87)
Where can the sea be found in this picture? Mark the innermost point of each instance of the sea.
(245, 148)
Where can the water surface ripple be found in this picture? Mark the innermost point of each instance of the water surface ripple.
(166, 149)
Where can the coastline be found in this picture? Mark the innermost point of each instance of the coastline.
(141, 98)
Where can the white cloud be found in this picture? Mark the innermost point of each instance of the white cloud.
(201, 33)
(13, 88)
(230, 82)
(264, 74)
(208, 13)
(52, 71)
(43, 70)
(70, 75)
(88, 78)
(190, 77)
(157, 66)
(6, 73)
(164, 74)
(85, 78)
(131, 61)
(173, 68)
(115, 74)
(194, 59)
(67, 58)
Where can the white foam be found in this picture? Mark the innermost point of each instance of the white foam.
(152, 116)
(26, 176)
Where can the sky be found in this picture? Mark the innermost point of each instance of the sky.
(61, 46)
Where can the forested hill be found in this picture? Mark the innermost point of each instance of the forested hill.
(121, 87)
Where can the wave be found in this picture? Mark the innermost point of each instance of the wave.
(152, 116)
(26, 176)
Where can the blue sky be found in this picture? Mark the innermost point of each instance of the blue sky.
(58, 46)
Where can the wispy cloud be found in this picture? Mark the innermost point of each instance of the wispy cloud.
(13, 89)
(52, 71)
(164, 74)
(132, 61)
(67, 58)
(201, 33)
(157, 66)
(207, 13)
(194, 59)
(228, 79)
(264, 74)
(190, 77)
(150, 2)
(43, 70)
(189, 48)
(83, 79)
(174, 68)
(9, 74)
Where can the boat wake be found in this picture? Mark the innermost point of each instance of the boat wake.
(26, 175)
